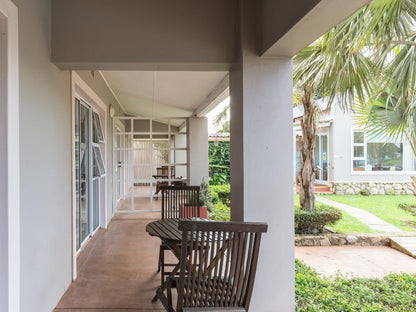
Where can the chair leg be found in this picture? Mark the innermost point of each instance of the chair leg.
(162, 266)
(169, 292)
(160, 258)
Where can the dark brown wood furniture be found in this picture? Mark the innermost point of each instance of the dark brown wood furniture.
(162, 173)
(167, 230)
(178, 201)
(217, 265)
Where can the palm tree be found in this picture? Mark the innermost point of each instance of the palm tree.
(351, 64)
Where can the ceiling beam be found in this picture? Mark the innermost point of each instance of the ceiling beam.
(215, 97)
(325, 15)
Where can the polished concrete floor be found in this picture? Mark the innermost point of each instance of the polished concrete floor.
(117, 269)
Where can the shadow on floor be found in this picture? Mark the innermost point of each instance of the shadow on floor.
(118, 270)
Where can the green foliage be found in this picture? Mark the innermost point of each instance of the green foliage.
(395, 292)
(307, 221)
(220, 197)
(219, 163)
(365, 192)
(390, 192)
(220, 212)
(410, 208)
(223, 192)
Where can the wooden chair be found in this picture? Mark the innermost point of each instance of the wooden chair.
(178, 201)
(163, 173)
(217, 266)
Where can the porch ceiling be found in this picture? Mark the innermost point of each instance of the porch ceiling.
(163, 93)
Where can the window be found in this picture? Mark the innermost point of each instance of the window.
(380, 154)
(99, 168)
(98, 133)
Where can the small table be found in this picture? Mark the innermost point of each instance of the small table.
(167, 230)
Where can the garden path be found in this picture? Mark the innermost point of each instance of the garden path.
(375, 223)
(361, 261)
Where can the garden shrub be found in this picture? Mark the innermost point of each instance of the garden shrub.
(394, 292)
(220, 212)
(313, 222)
(411, 208)
(365, 192)
(390, 192)
(214, 197)
(224, 193)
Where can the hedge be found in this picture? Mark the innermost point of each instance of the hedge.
(219, 162)
(223, 191)
(313, 222)
(394, 292)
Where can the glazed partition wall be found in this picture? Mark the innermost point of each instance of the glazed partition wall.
(148, 153)
(89, 169)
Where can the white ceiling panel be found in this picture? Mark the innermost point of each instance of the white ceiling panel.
(162, 93)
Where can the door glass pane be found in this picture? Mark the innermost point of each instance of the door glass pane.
(96, 202)
(83, 160)
(324, 157)
(317, 172)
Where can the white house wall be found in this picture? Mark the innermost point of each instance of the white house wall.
(45, 161)
(341, 166)
(45, 164)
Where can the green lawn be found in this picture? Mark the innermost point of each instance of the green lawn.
(383, 206)
(347, 224)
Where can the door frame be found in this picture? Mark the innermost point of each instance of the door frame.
(9, 159)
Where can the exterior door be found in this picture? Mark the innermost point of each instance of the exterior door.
(83, 174)
(321, 159)
(90, 169)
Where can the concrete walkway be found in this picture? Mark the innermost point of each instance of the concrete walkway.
(375, 223)
(373, 262)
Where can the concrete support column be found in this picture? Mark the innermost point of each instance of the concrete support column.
(198, 150)
(262, 161)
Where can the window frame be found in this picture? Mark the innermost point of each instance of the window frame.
(365, 172)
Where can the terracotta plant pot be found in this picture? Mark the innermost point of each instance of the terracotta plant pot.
(186, 212)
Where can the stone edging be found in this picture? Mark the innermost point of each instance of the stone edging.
(360, 239)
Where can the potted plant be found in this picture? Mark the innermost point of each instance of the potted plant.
(205, 202)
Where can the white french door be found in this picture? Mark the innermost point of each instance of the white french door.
(321, 159)
(89, 168)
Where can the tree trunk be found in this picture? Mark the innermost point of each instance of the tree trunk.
(307, 152)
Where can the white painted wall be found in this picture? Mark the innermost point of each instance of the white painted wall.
(198, 150)
(342, 152)
(45, 162)
(9, 160)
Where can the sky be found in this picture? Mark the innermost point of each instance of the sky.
(211, 115)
